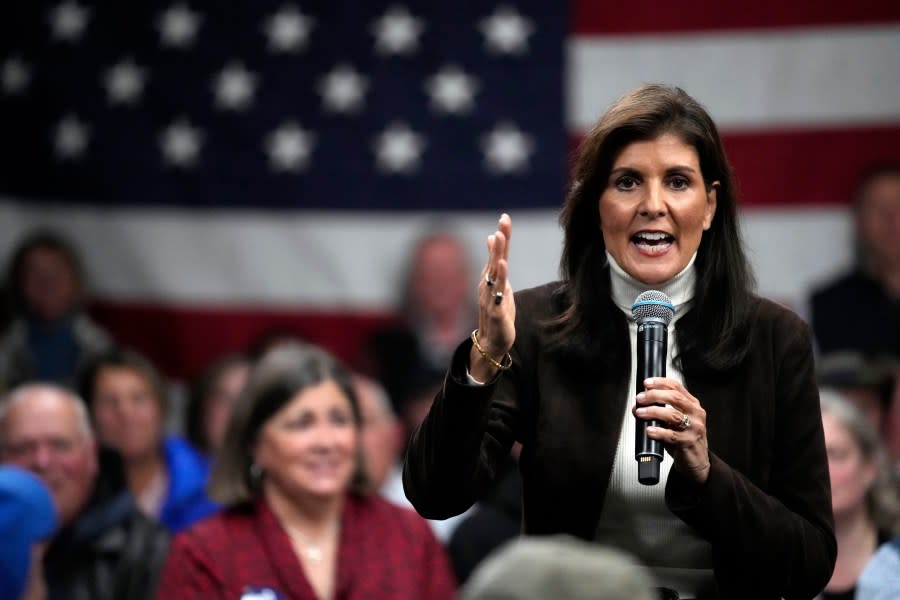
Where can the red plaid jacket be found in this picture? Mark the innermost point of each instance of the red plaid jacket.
(386, 553)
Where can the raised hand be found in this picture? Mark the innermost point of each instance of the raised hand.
(496, 307)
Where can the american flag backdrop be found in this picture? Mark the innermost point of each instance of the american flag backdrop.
(231, 168)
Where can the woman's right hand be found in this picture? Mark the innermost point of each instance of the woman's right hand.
(496, 318)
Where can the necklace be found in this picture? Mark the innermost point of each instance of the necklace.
(310, 549)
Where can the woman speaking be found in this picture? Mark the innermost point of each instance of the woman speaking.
(742, 508)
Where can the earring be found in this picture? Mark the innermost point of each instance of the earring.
(255, 473)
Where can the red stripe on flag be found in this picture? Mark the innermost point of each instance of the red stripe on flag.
(652, 16)
(181, 341)
(803, 167)
(807, 167)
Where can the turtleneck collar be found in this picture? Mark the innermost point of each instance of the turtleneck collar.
(626, 288)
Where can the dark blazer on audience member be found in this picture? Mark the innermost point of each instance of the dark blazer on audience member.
(766, 507)
(856, 313)
(497, 518)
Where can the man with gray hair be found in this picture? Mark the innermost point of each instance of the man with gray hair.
(560, 566)
(105, 548)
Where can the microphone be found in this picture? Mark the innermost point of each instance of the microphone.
(652, 311)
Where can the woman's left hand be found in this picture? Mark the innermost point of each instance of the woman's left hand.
(683, 431)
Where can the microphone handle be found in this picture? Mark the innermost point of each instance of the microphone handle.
(651, 362)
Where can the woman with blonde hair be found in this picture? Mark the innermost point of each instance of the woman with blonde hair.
(298, 523)
(863, 493)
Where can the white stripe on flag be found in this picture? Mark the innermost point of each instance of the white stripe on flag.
(803, 77)
(304, 259)
(354, 261)
(794, 250)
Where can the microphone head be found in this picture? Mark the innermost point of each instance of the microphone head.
(653, 304)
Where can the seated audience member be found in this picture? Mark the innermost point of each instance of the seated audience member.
(127, 402)
(383, 439)
(546, 568)
(891, 428)
(272, 337)
(864, 499)
(212, 397)
(27, 518)
(880, 580)
(860, 311)
(495, 519)
(299, 522)
(105, 549)
(50, 337)
(383, 436)
(869, 383)
(415, 407)
(435, 313)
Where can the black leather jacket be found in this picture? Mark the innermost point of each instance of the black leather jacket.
(110, 552)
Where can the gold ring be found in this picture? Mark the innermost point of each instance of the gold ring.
(684, 423)
(488, 280)
(498, 297)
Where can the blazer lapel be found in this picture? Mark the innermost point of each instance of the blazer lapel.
(583, 398)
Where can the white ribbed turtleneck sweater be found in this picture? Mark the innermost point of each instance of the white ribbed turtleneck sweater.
(635, 517)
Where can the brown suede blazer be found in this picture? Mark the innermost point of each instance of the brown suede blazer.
(766, 506)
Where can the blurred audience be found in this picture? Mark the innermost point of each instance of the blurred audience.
(860, 311)
(272, 337)
(300, 522)
(382, 438)
(863, 492)
(127, 401)
(870, 384)
(495, 519)
(383, 441)
(880, 580)
(891, 428)
(545, 568)
(417, 404)
(27, 518)
(105, 549)
(212, 397)
(436, 311)
(50, 336)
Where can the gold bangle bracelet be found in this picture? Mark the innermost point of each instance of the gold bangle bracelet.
(506, 357)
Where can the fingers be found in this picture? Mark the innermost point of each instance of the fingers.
(494, 287)
(682, 423)
(667, 401)
(691, 442)
(496, 305)
(668, 415)
(497, 266)
(664, 383)
(495, 271)
(501, 287)
(505, 227)
(662, 390)
(495, 243)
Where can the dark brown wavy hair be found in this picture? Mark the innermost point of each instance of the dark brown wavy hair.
(278, 376)
(724, 278)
